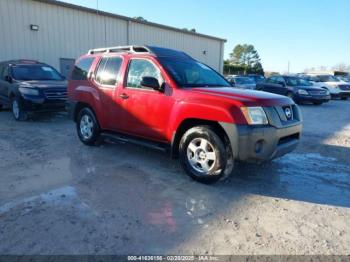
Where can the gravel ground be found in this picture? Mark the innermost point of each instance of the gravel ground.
(58, 196)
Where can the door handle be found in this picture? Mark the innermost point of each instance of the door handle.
(124, 96)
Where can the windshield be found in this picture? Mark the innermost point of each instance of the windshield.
(327, 78)
(244, 81)
(190, 73)
(296, 81)
(35, 72)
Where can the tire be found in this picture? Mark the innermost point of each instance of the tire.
(18, 112)
(88, 128)
(203, 155)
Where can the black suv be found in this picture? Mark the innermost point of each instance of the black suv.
(296, 88)
(30, 86)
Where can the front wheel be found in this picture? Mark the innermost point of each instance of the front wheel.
(87, 127)
(203, 154)
(17, 109)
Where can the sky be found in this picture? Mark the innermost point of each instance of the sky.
(307, 33)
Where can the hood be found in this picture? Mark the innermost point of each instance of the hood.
(43, 84)
(248, 86)
(246, 97)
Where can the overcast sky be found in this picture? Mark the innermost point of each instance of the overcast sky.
(308, 33)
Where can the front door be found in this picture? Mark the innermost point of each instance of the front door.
(146, 111)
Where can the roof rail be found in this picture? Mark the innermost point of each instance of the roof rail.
(119, 49)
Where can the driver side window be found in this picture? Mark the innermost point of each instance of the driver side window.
(139, 68)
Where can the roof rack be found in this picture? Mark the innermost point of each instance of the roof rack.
(119, 49)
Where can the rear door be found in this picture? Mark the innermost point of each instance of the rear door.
(270, 85)
(106, 81)
(281, 87)
(146, 112)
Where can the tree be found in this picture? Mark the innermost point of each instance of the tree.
(244, 59)
(246, 56)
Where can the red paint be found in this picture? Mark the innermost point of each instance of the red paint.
(156, 115)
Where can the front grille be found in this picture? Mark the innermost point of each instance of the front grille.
(318, 92)
(344, 87)
(56, 94)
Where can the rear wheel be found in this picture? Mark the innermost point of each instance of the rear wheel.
(87, 127)
(203, 154)
(17, 109)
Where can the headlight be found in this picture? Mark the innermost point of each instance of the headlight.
(255, 115)
(28, 91)
(302, 92)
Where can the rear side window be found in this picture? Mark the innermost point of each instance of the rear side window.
(108, 69)
(81, 69)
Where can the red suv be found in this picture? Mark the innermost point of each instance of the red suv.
(166, 100)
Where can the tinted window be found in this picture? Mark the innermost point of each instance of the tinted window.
(138, 69)
(244, 80)
(327, 78)
(108, 70)
(190, 73)
(34, 72)
(295, 81)
(81, 69)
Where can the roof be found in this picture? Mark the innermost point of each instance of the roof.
(133, 49)
(22, 62)
(95, 11)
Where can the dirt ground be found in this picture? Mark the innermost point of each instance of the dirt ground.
(58, 196)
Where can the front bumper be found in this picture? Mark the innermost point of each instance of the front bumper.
(39, 104)
(259, 144)
(312, 98)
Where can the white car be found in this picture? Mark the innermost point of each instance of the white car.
(336, 87)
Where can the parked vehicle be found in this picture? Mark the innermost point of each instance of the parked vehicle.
(296, 88)
(337, 88)
(344, 79)
(242, 82)
(257, 78)
(166, 100)
(30, 86)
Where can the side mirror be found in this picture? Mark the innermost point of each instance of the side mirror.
(150, 82)
(8, 79)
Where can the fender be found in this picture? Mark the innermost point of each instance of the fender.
(220, 111)
(90, 96)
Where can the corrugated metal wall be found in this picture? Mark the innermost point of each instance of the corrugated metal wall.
(67, 33)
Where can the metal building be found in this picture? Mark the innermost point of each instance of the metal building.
(57, 33)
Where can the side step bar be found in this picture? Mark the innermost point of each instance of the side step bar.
(114, 137)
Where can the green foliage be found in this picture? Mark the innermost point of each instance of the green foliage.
(244, 59)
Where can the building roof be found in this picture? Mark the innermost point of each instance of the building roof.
(95, 11)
